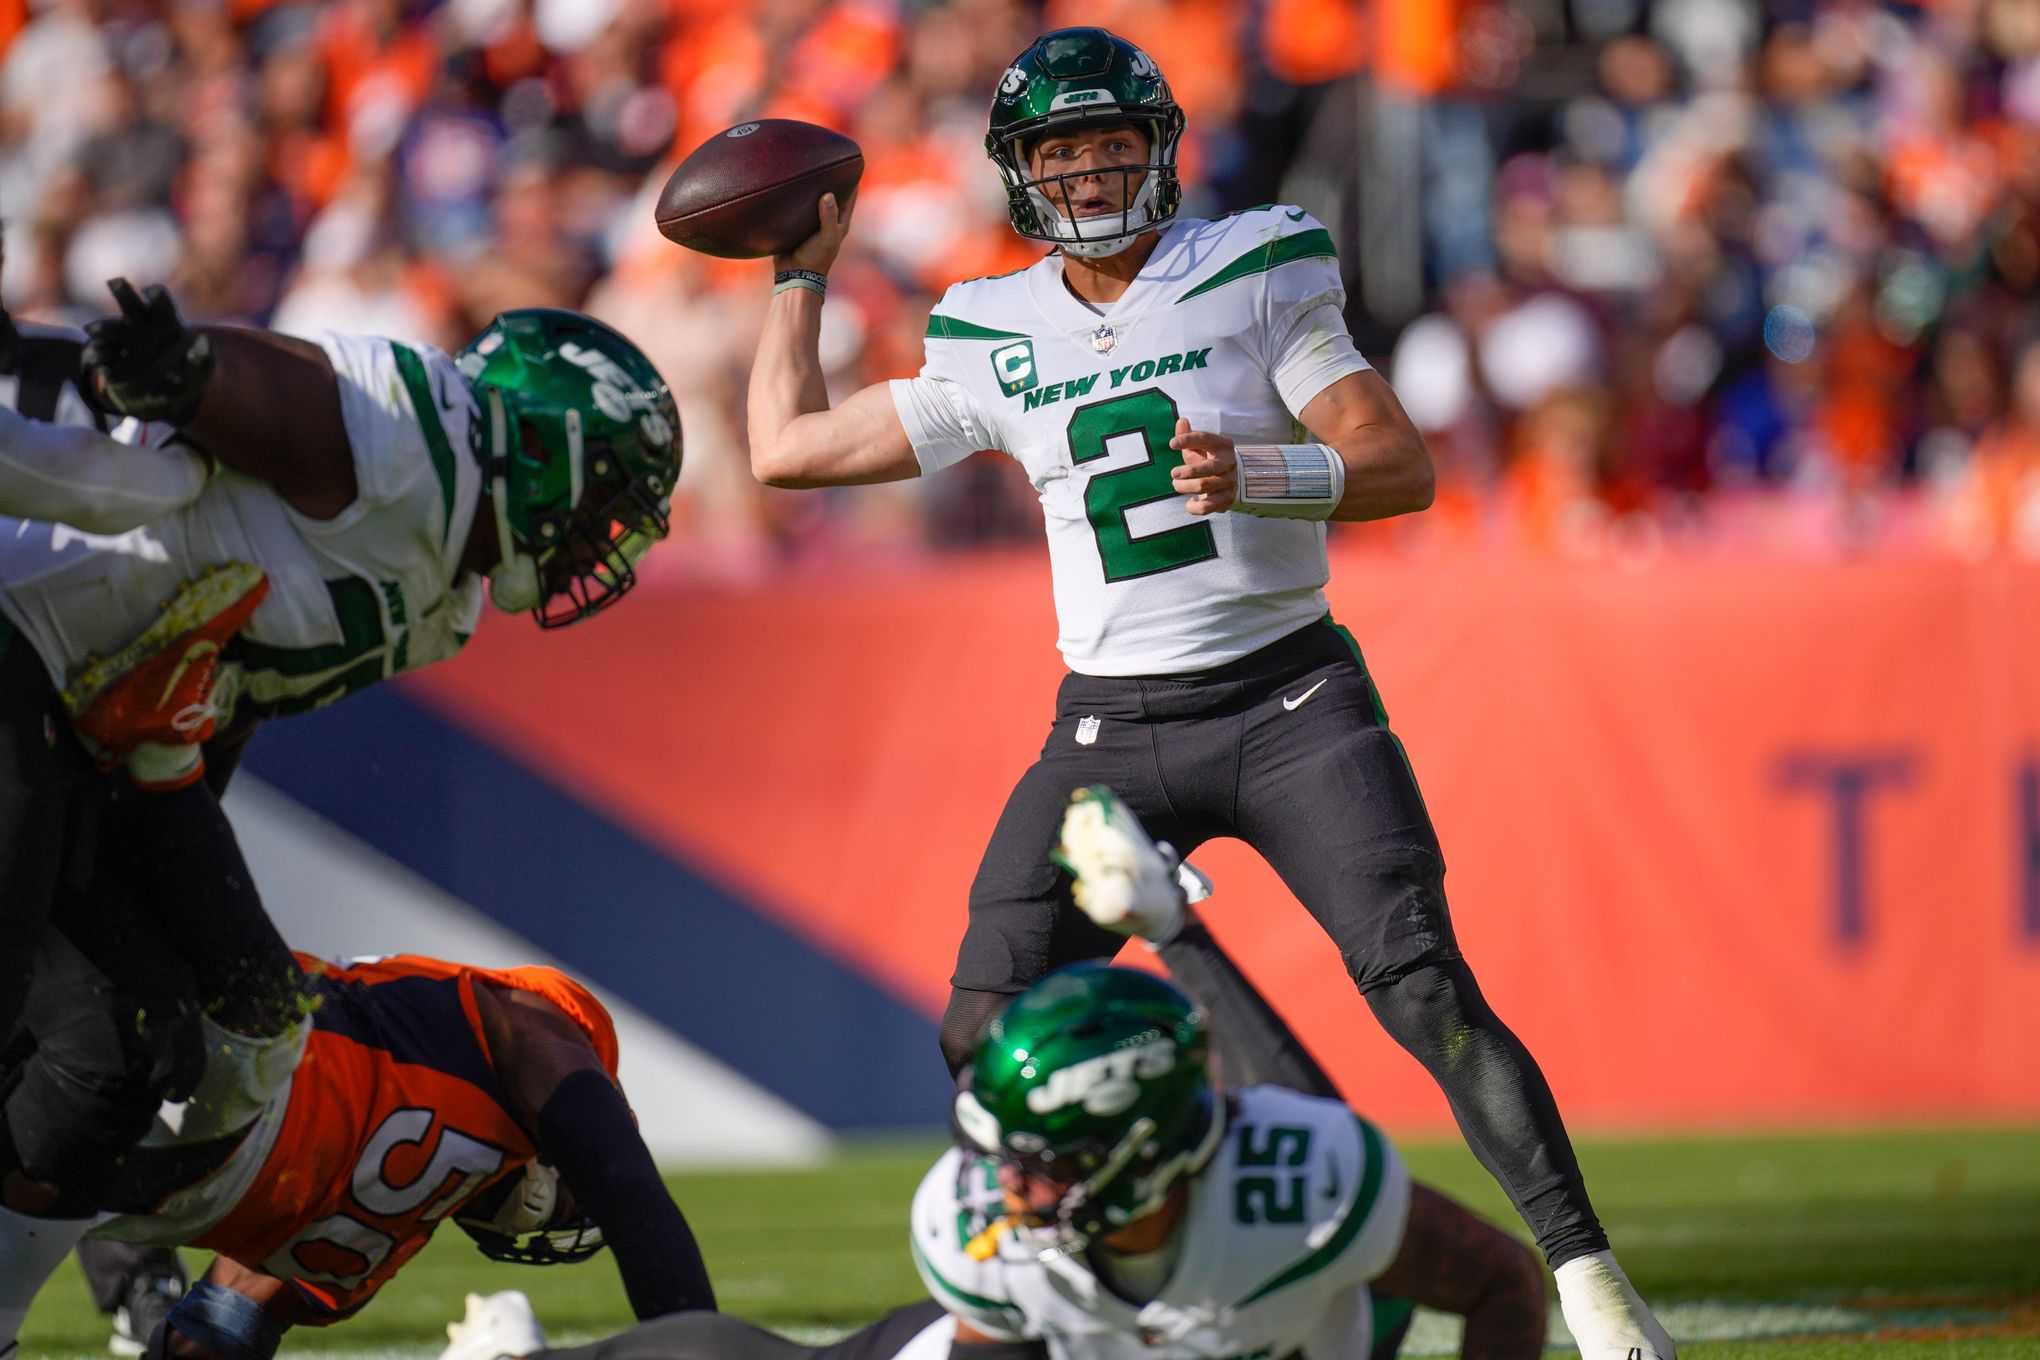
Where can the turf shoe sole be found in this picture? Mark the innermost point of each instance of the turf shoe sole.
(152, 702)
(1125, 882)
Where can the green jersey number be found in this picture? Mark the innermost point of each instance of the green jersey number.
(1276, 1198)
(1151, 415)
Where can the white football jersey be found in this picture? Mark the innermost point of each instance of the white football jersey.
(1302, 1205)
(369, 593)
(1233, 324)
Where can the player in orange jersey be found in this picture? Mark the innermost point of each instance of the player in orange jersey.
(426, 1091)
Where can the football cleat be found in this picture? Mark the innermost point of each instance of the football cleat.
(1125, 881)
(497, 1327)
(151, 704)
(1606, 1316)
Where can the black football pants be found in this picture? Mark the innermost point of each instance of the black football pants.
(156, 922)
(46, 787)
(1289, 750)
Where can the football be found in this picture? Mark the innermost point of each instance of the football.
(751, 191)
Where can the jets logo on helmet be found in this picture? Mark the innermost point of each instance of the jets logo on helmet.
(581, 444)
(1075, 76)
(1106, 1084)
(1094, 1081)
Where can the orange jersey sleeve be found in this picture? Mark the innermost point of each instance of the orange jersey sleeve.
(395, 1118)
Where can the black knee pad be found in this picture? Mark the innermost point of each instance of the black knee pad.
(89, 1093)
(1426, 1006)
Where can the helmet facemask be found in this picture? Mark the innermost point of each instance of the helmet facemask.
(530, 1219)
(1074, 78)
(582, 449)
(1041, 205)
(1109, 1185)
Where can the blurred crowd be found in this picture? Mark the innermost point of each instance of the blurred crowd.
(1651, 274)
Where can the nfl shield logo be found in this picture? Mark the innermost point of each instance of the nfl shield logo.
(1103, 339)
(1087, 731)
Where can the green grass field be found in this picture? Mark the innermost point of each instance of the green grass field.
(1885, 1245)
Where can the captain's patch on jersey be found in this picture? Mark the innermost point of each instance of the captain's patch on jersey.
(1014, 364)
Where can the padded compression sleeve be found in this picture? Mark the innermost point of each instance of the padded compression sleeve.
(75, 475)
(587, 1133)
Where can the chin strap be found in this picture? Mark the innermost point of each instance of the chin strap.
(1100, 247)
(513, 581)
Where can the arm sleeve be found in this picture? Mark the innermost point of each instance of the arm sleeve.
(587, 1133)
(75, 475)
(998, 1350)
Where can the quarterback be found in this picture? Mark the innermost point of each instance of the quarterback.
(427, 1091)
(364, 490)
(1189, 406)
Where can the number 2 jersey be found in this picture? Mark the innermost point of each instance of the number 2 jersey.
(372, 592)
(1232, 324)
(395, 1117)
(1303, 1204)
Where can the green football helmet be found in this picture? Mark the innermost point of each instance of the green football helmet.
(1075, 76)
(581, 444)
(1095, 1080)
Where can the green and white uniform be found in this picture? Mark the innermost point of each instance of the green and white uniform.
(1233, 324)
(1302, 1206)
(372, 592)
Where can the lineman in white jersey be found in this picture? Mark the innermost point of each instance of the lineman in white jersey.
(1108, 1201)
(58, 463)
(1159, 377)
(367, 488)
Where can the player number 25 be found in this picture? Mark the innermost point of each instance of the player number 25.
(1271, 1198)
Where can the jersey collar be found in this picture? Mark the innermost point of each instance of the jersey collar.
(1066, 311)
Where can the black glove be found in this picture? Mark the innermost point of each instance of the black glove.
(145, 362)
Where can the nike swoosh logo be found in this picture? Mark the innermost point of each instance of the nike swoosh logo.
(1300, 700)
(1296, 216)
(204, 647)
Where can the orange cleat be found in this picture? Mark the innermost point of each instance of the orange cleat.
(151, 704)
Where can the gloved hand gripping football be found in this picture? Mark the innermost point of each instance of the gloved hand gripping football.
(145, 362)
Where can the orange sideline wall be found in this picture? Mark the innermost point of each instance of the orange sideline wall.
(1730, 842)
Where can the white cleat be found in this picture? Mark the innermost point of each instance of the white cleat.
(1124, 881)
(497, 1327)
(1606, 1316)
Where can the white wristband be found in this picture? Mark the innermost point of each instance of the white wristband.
(1289, 481)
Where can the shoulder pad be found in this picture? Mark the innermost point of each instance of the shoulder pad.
(957, 1200)
(1261, 241)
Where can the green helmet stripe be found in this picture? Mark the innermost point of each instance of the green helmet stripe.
(1304, 245)
(1349, 1227)
(412, 370)
(942, 327)
(961, 1295)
